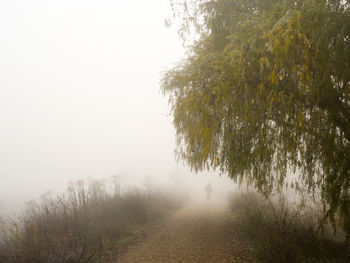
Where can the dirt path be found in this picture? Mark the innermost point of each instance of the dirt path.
(200, 234)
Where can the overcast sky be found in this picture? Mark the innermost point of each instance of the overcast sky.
(79, 92)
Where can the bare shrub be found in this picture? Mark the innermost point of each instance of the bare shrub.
(81, 225)
(281, 232)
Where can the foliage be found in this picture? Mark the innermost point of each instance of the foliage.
(265, 90)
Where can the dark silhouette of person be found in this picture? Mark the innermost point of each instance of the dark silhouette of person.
(208, 191)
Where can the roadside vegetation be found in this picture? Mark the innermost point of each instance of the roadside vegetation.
(263, 95)
(91, 222)
(263, 90)
(280, 231)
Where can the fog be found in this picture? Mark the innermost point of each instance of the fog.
(79, 97)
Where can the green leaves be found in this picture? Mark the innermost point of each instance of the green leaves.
(265, 90)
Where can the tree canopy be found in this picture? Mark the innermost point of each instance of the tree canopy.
(264, 90)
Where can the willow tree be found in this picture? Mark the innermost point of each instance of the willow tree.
(264, 90)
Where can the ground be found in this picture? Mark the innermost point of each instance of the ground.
(203, 233)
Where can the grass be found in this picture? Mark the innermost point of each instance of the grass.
(279, 232)
(111, 253)
(90, 222)
(128, 239)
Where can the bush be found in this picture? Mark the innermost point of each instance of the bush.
(279, 232)
(82, 225)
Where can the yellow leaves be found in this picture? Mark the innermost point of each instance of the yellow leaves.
(271, 103)
(298, 15)
(188, 100)
(264, 63)
(261, 88)
(302, 37)
(276, 44)
(305, 76)
(206, 136)
(217, 160)
(300, 120)
(273, 78)
(308, 78)
(250, 87)
(307, 42)
(287, 41)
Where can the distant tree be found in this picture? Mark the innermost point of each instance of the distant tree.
(265, 90)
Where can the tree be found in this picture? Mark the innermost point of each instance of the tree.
(265, 90)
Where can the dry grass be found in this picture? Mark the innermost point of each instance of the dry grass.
(85, 224)
(279, 232)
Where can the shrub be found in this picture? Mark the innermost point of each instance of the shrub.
(280, 232)
(82, 225)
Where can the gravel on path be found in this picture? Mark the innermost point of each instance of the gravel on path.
(195, 234)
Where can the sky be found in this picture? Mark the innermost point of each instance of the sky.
(80, 95)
